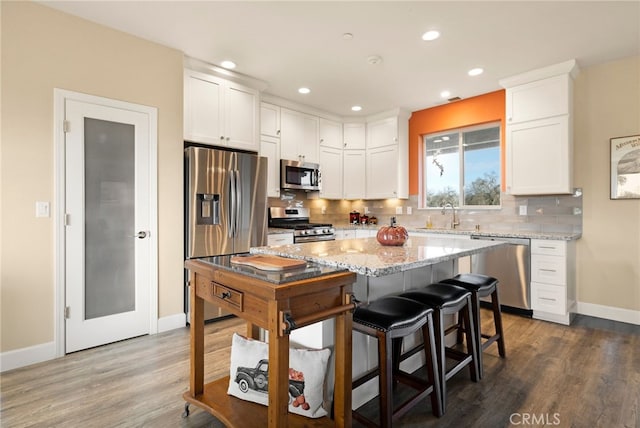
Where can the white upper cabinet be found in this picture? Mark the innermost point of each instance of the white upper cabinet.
(539, 140)
(387, 158)
(538, 100)
(330, 134)
(220, 112)
(354, 174)
(355, 136)
(270, 120)
(382, 133)
(270, 148)
(331, 173)
(298, 136)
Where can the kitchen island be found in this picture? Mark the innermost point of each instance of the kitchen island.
(275, 301)
(381, 270)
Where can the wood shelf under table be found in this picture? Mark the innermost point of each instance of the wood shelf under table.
(234, 412)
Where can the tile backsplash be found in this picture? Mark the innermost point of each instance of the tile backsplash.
(549, 213)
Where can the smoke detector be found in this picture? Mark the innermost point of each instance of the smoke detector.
(374, 59)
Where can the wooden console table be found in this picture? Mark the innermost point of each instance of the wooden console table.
(276, 302)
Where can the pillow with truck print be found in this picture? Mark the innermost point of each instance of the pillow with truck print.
(249, 375)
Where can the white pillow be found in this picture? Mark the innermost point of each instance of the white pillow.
(249, 380)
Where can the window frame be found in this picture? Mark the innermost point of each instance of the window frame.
(460, 131)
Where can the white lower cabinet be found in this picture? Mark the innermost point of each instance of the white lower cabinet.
(553, 291)
(279, 238)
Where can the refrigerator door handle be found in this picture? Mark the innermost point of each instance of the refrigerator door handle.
(233, 206)
(238, 190)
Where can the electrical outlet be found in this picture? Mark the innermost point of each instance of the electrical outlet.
(523, 210)
(324, 210)
(398, 210)
(366, 210)
(409, 211)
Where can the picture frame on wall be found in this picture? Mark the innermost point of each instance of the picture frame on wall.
(625, 167)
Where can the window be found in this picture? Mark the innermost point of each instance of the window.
(470, 179)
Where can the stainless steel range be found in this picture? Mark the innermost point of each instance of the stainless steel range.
(297, 219)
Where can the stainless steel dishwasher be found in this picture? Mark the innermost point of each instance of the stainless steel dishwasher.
(510, 264)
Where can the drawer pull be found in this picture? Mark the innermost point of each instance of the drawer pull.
(548, 270)
(547, 298)
(226, 295)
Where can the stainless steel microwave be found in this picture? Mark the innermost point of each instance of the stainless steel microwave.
(299, 175)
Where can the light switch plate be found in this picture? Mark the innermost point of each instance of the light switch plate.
(42, 209)
(409, 210)
(398, 210)
(523, 210)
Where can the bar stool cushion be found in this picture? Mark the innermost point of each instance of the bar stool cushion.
(438, 295)
(389, 313)
(472, 281)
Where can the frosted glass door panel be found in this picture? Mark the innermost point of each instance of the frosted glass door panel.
(109, 218)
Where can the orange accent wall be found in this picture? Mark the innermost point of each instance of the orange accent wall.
(471, 111)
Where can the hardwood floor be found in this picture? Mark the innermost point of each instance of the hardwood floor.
(586, 375)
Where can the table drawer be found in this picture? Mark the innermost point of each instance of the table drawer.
(548, 298)
(548, 247)
(220, 295)
(548, 269)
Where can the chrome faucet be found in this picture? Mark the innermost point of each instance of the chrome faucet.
(454, 220)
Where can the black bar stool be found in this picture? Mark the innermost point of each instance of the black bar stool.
(482, 286)
(389, 319)
(447, 299)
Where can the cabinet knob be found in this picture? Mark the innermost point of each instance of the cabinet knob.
(228, 138)
(278, 132)
(222, 137)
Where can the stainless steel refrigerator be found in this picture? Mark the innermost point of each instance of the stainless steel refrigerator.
(225, 206)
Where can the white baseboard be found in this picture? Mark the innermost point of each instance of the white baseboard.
(172, 322)
(609, 312)
(26, 356)
(47, 351)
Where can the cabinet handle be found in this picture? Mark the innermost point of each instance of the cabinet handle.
(226, 295)
(548, 270)
(547, 298)
(222, 137)
(278, 132)
(228, 138)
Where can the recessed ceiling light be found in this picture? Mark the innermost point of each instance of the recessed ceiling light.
(430, 35)
(228, 64)
(374, 59)
(445, 94)
(475, 71)
(304, 90)
(347, 36)
(356, 108)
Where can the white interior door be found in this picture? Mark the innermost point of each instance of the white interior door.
(108, 224)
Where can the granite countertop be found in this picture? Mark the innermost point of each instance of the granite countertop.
(559, 236)
(366, 256)
(310, 270)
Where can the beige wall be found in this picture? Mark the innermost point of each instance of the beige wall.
(43, 49)
(607, 105)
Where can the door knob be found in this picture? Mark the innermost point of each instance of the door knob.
(141, 235)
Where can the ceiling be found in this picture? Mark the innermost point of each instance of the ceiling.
(300, 43)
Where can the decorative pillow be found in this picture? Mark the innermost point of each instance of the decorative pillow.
(249, 377)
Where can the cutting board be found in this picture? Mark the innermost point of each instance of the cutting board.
(267, 262)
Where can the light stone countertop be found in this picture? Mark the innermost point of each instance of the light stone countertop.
(366, 256)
